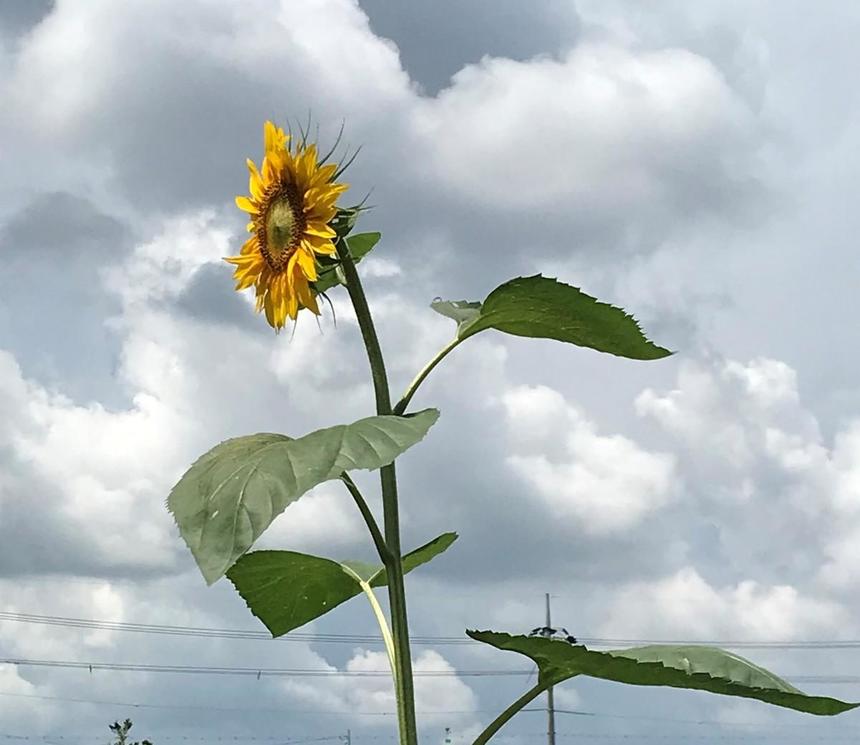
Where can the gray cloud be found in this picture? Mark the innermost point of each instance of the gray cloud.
(437, 39)
(54, 312)
(208, 298)
(18, 17)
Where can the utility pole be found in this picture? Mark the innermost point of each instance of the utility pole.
(550, 701)
(348, 738)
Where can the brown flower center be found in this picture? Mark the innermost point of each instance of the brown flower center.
(280, 227)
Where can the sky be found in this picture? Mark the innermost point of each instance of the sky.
(694, 163)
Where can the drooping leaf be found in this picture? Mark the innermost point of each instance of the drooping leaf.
(360, 245)
(285, 589)
(696, 667)
(541, 307)
(231, 494)
(461, 311)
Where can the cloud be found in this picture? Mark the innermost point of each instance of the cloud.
(89, 473)
(605, 483)
(441, 697)
(489, 27)
(54, 248)
(729, 408)
(615, 114)
(685, 605)
(753, 455)
(18, 18)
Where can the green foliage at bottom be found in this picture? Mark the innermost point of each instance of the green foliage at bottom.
(121, 730)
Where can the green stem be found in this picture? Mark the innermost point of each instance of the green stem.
(380, 618)
(383, 627)
(503, 718)
(403, 682)
(369, 519)
(425, 371)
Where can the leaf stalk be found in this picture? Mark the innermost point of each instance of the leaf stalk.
(508, 714)
(400, 408)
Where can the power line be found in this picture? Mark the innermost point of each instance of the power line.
(96, 625)
(298, 636)
(240, 709)
(246, 671)
(260, 672)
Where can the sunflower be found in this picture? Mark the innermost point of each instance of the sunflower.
(291, 204)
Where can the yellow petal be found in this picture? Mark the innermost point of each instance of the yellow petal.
(305, 259)
(321, 230)
(255, 181)
(323, 209)
(310, 198)
(250, 246)
(246, 205)
(310, 158)
(305, 165)
(325, 173)
(306, 296)
(248, 267)
(241, 260)
(333, 189)
(292, 307)
(273, 137)
(314, 240)
(270, 312)
(268, 135)
(321, 198)
(326, 248)
(245, 282)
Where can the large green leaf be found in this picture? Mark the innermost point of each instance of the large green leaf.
(285, 589)
(545, 308)
(697, 667)
(360, 245)
(231, 494)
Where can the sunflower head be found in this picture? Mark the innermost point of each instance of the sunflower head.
(292, 203)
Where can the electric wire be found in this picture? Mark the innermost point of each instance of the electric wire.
(258, 672)
(261, 672)
(305, 637)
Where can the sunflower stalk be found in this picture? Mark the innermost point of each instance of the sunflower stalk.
(403, 681)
